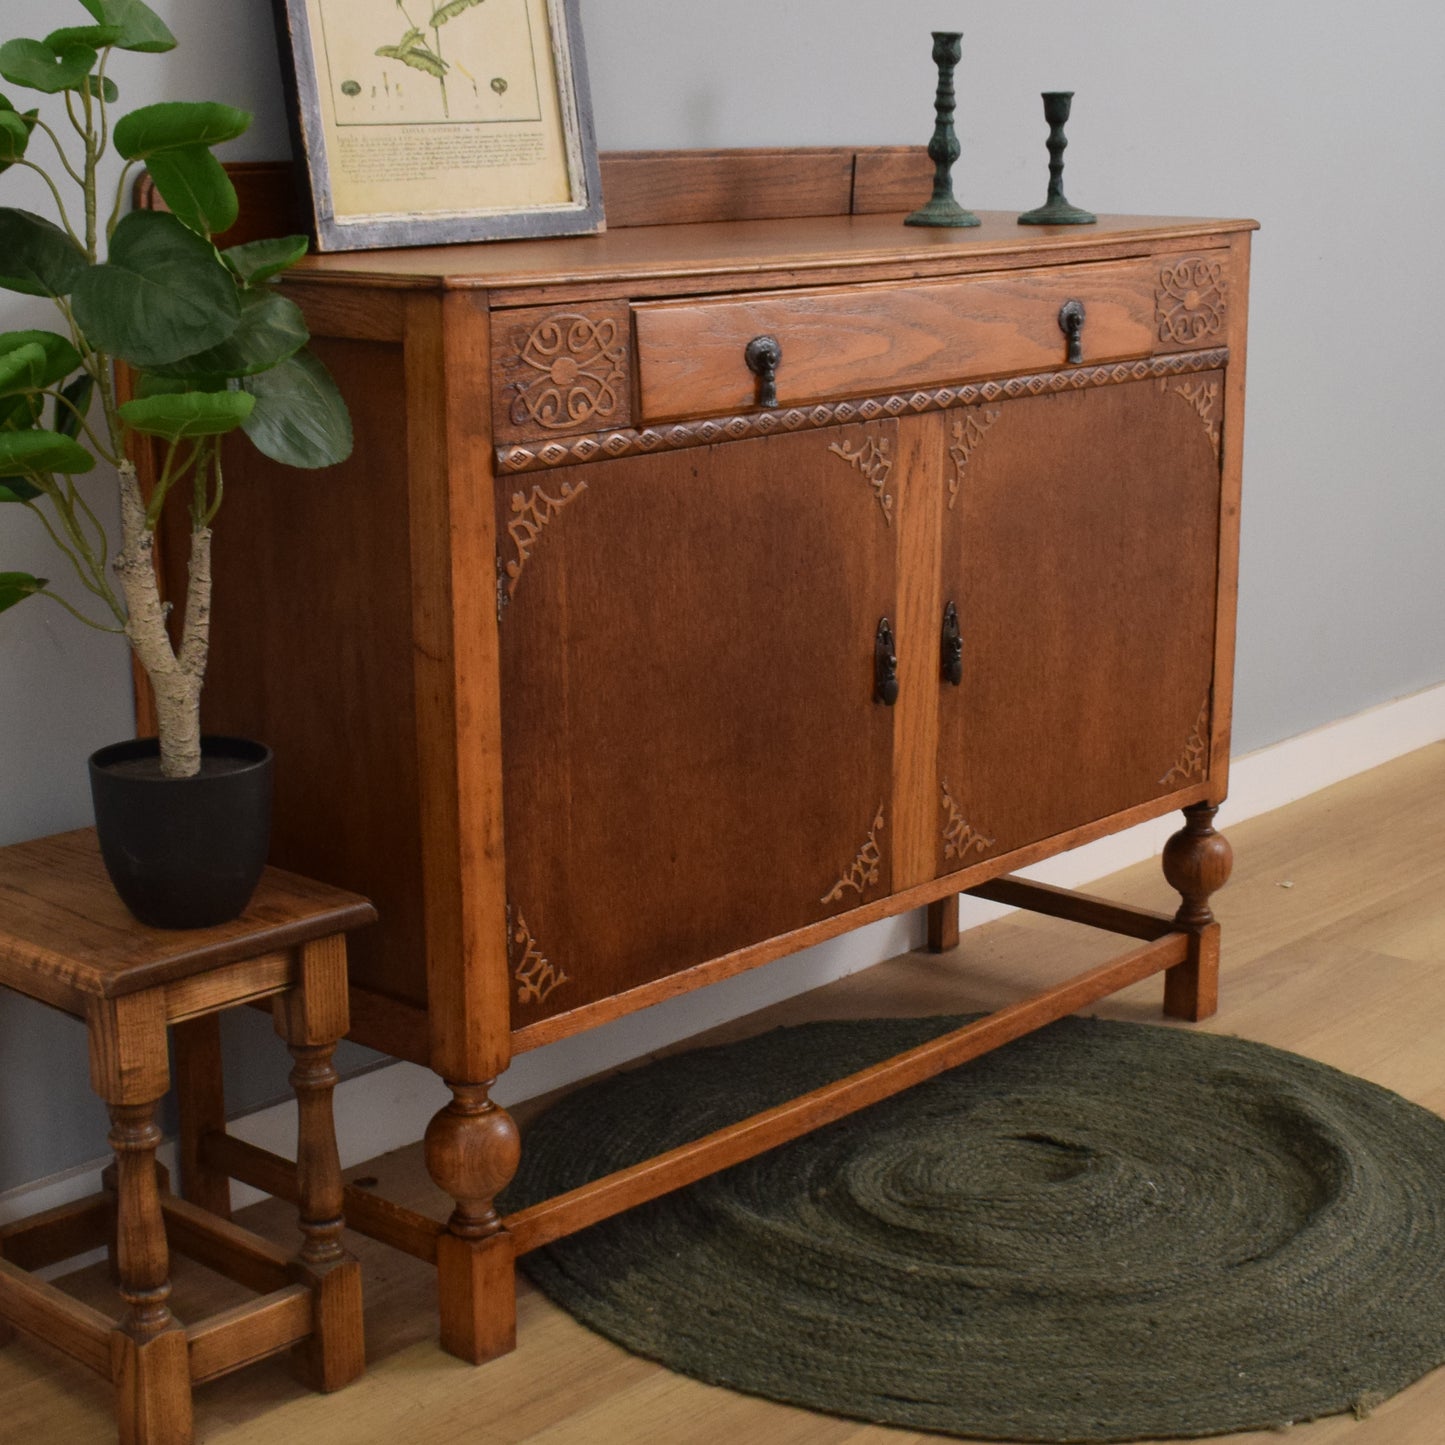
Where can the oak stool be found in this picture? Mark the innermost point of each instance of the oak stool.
(67, 940)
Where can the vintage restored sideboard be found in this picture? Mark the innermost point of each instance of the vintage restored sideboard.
(707, 588)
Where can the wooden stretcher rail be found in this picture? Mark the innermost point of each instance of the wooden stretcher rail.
(50, 1314)
(59, 1233)
(566, 1213)
(250, 1332)
(1075, 907)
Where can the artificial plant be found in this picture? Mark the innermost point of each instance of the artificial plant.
(211, 344)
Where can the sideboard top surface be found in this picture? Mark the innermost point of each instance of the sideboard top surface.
(738, 248)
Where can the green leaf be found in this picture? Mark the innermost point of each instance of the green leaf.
(163, 294)
(450, 11)
(78, 393)
(20, 368)
(191, 414)
(140, 27)
(177, 125)
(98, 37)
(103, 87)
(300, 419)
(14, 137)
(194, 184)
(36, 453)
(60, 357)
(272, 328)
(258, 261)
(20, 413)
(36, 256)
(33, 64)
(17, 586)
(17, 489)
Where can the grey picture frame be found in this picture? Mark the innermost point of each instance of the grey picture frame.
(301, 66)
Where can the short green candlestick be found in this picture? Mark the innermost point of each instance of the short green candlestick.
(1056, 211)
(943, 149)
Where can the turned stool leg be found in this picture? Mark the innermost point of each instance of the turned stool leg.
(312, 1018)
(472, 1150)
(1197, 863)
(150, 1362)
(943, 924)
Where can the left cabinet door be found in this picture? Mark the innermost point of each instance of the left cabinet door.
(694, 757)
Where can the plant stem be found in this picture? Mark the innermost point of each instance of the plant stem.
(59, 204)
(60, 151)
(80, 616)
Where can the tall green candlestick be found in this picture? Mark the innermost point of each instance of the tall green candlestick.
(943, 149)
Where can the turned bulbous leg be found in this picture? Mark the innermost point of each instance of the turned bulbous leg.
(1197, 863)
(472, 1150)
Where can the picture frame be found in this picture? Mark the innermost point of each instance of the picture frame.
(430, 122)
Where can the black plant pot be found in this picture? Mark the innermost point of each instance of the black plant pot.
(183, 852)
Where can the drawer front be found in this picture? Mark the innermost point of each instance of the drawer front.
(866, 340)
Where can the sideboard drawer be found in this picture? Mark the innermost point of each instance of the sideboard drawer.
(866, 340)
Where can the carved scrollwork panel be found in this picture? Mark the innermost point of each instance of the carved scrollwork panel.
(872, 459)
(968, 430)
(866, 868)
(1193, 760)
(1206, 397)
(563, 371)
(530, 515)
(1191, 303)
(536, 975)
(960, 837)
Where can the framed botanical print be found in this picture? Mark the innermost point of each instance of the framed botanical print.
(431, 121)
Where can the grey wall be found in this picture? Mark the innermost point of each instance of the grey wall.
(1318, 119)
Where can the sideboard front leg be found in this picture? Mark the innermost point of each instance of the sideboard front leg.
(472, 1151)
(1197, 863)
(943, 924)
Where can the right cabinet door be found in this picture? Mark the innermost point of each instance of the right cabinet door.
(1080, 545)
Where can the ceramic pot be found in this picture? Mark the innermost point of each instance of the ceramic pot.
(183, 852)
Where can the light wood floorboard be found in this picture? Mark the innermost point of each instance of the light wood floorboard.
(1334, 946)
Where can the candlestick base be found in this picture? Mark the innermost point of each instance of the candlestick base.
(942, 211)
(1058, 212)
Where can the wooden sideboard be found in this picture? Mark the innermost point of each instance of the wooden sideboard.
(608, 675)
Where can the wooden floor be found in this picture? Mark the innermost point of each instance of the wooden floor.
(1334, 930)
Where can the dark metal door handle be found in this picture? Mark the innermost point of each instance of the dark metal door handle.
(764, 356)
(1071, 323)
(952, 647)
(885, 665)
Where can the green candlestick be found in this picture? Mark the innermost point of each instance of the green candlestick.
(1056, 211)
(943, 149)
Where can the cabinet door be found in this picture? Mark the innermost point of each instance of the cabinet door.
(1080, 547)
(694, 760)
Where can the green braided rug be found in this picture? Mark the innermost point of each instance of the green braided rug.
(1101, 1232)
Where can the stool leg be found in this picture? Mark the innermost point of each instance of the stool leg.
(150, 1363)
(312, 1019)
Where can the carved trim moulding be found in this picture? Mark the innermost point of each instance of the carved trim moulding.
(634, 441)
(865, 870)
(575, 370)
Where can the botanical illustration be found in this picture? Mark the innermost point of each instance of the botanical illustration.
(394, 62)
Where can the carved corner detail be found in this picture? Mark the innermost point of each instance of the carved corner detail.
(872, 459)
(960, 836)
(968, 431)
(529, 516)
(536, 975)
(865, 870)
(1192, 300)
(573, 372)
(1194, 759)
(1205, 397)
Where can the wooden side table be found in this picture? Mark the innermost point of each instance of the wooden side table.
(66, 940)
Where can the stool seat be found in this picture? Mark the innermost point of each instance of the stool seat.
(66, 940)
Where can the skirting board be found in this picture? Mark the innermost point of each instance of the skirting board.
(388, 1107)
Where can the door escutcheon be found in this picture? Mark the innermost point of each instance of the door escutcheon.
(764, 356)
(1071, 323)
(952, 647)
(885, 665)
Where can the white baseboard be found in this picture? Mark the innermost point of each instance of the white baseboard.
(388, 1107)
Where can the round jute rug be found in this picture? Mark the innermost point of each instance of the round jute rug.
(1102, 1232)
